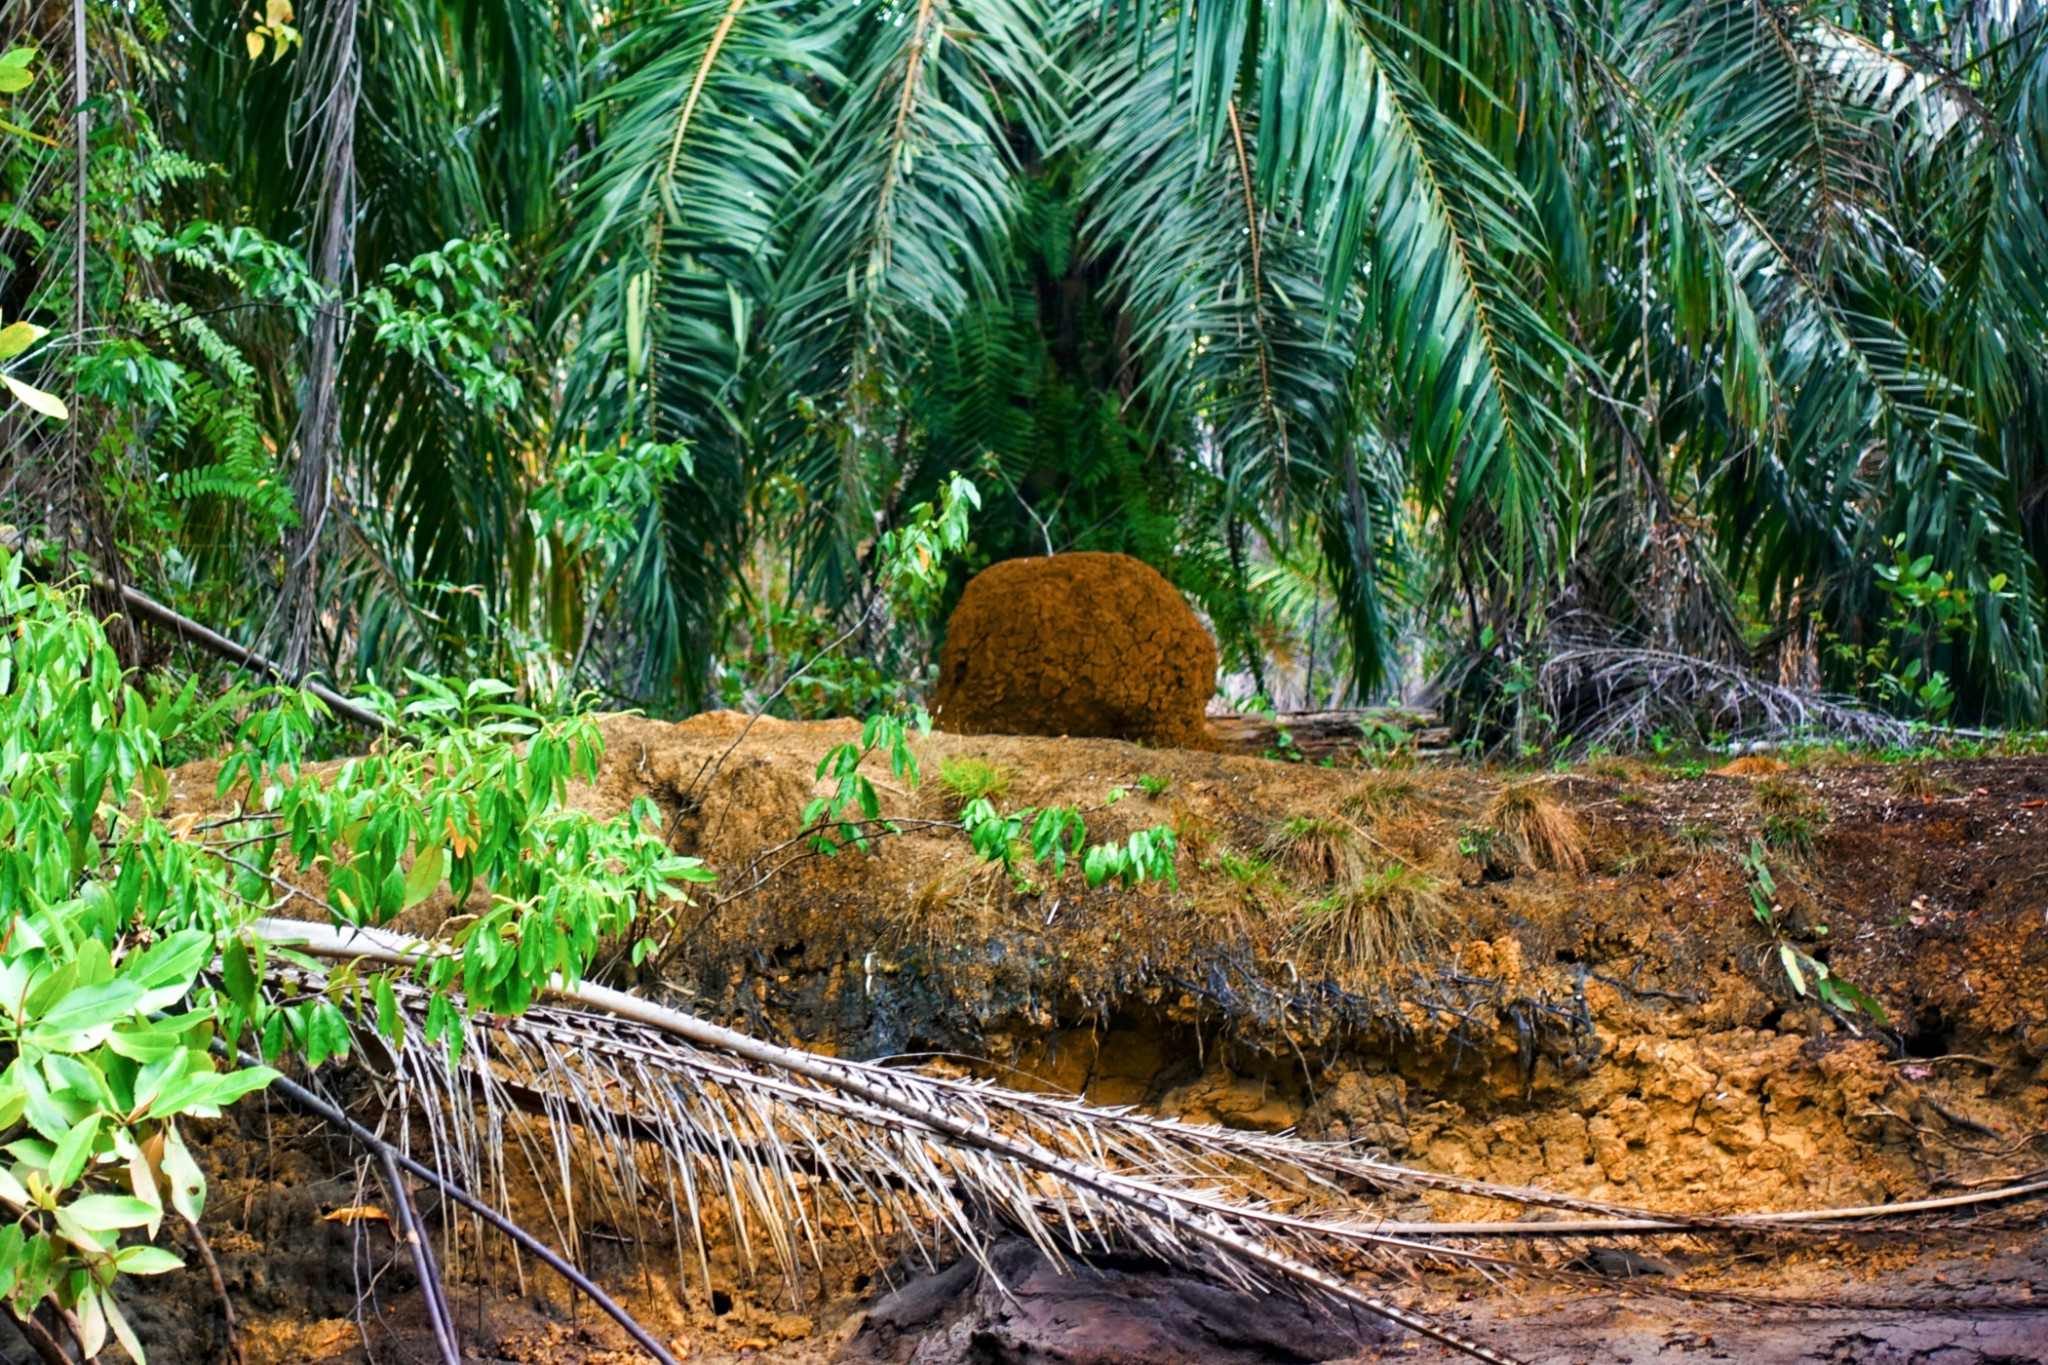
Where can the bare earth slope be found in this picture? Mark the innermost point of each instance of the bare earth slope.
(1596, 1012)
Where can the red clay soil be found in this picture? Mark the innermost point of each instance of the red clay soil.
(1613, 1025)
(1080, 644)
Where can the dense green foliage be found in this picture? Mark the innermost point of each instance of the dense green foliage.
(126, 949)
(601, 347)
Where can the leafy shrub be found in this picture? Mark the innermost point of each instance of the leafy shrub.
(114, 915)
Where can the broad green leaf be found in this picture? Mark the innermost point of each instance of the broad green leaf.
(111, 1212)
(1789, 955)
(425, 876)
(67, 1160)
(146, 1260)
(238, 976)
(174, 960)
(151, 1042)
(17, 337)
(87, 1008)
(47, 404)
(123, 1331)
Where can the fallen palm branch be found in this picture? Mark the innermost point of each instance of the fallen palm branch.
(772, 1133)
(1603, 694)
(931, 1155)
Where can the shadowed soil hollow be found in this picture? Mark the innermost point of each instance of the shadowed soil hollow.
(1606, 1019)
(1076, 644)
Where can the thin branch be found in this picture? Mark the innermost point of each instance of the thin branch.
(313, 1104)
(414, 1236)
(220, 1291)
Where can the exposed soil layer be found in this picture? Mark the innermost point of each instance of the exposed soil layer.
(1075, 644)
(1608, 1020)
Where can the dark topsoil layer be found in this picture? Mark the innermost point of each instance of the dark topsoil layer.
(1589, 1005)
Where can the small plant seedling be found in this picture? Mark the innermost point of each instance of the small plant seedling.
(1154, 786)
(1697, 836)
(1802, 969)
(1250, 872)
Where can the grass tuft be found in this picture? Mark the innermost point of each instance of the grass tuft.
(1540, 829)
(972, 779)
(1790, 815)
(1916, 781)
(1375, 921)
(1319, 848)
(1379, 794)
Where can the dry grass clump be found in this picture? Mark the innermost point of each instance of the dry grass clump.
(967, 779)
(1195, 833)
(1752, 765)
(1379, 794)
(1791, 815)
(1916, 781)
(1319, 848)
(1540, 829)
(1375, 921)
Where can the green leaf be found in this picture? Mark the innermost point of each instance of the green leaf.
(182, 1174)
(111, 1212)
(67, 1161)
(238, 976)
(146, 1260)
(91, 1007)
(174, 960)
(1789, 955)
(17, 337)
(123, 1332)
(153, 1041)
(425, 876)
(389, 1022)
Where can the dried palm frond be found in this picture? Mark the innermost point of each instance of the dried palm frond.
(1608, 695)
(775, 1137)
(775, 1134)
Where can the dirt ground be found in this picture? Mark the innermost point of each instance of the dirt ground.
(1580, 998)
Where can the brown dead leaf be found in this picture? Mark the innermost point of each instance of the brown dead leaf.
(357, 1213)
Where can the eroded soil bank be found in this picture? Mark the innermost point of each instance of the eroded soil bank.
(1587, 1003)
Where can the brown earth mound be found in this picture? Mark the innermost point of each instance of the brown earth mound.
(1078, 644)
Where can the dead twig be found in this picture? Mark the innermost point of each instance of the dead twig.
(46, 1347)
(220, 1291)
